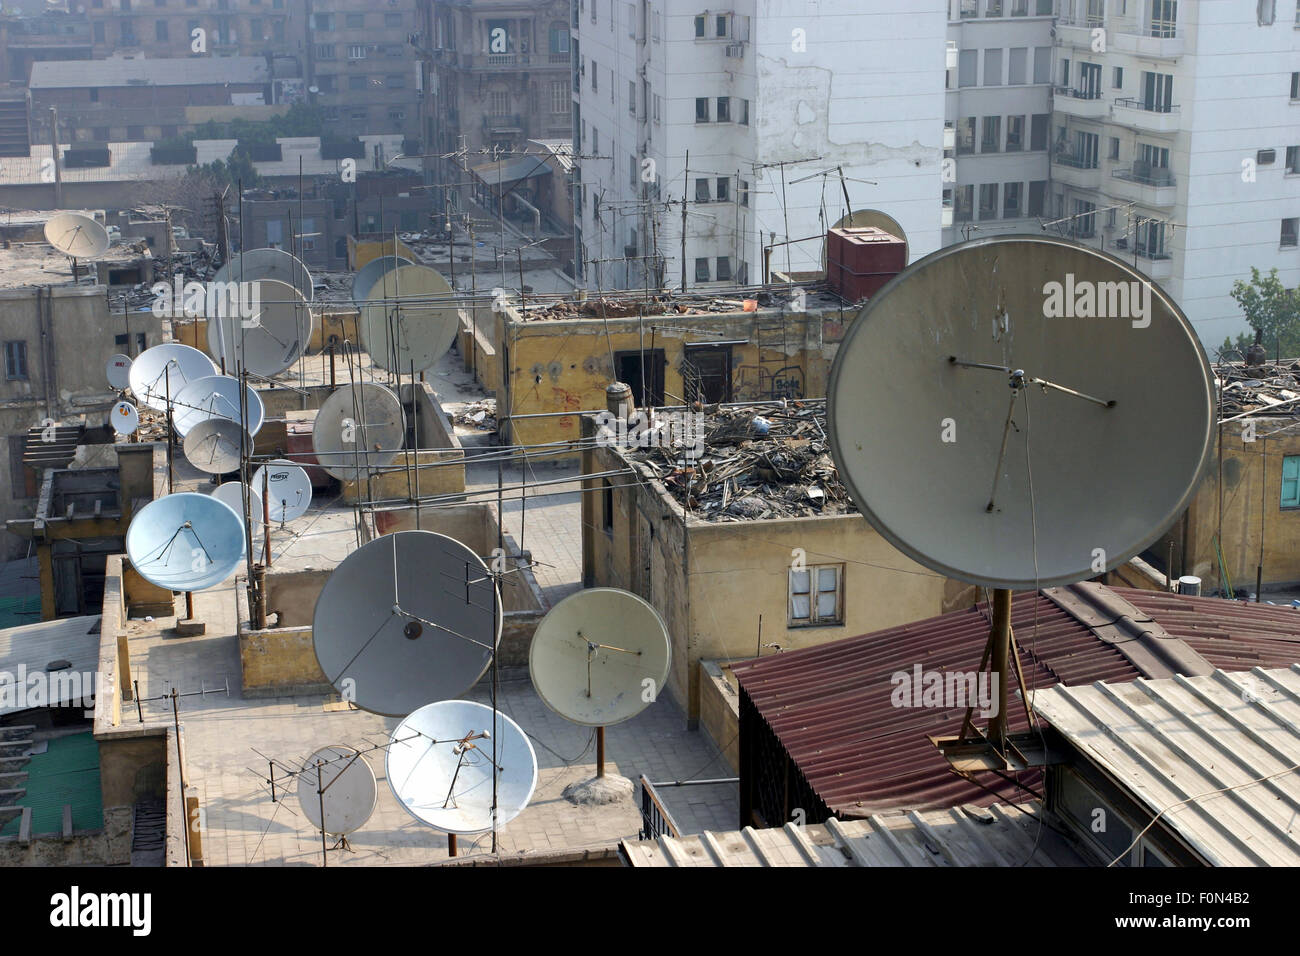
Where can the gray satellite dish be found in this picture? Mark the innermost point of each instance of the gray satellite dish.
(405, 618)
(358, 428)
(443, 776)
(118, 371)
(169, 366)
(232, 493)
(270, 343)
(408, 316)
(185, 541)
(339, 782)
(125, 418)
(267, 264)
(214, 396)
(76, 235)
(938, 347)
(289, 488)
(593, 652)
(371, 271)
(214, 446)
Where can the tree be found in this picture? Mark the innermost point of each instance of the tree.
(1272, 311)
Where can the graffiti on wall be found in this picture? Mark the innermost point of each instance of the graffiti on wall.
(754, 383)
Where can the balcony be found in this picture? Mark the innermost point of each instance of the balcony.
(503, 123)
(1145, 184)
(1085, 104)
(1157, 265)
(1159, 40)
(1077, 31)
(1074, 171)
(1139, 114)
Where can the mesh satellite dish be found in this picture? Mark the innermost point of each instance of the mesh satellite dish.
(76, 235)
(337, 790)
(408, 316)
(214, 396)
(232, 493)
(944, 339)
(125, 418)
(289, 487)
(163, 367)
(405, 618)
(273, 340)
(358, 428)
(593, 653)
(118, 371)
(371, 271)
(214, 446)
(444, 776)
(185, 541)
(273, 264)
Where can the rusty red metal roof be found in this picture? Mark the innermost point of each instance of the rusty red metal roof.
(831, 707)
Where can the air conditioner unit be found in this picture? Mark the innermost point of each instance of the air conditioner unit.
(736, 49)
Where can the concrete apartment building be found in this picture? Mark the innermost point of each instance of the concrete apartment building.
(770, 101)
(1178, 146)
(162, 28)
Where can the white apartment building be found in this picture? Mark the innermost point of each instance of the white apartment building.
(1176, 143)
(749, 114)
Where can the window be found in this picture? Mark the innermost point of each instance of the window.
(16, 360)
(631, 96)
(559, 38)
(99, 31)
(1015, 134)
(1291, 481)
(1265, 157)
(967, 64)
(654, 21)
(817, 595)
(743, 190)
(356, 51)
(395, 81)
(1084, 223)
(392, 19)
(355, 21)
(1042, 64)
(989, 201)
(309, 235)
(499, 102)
(1293, 159)
(121, 341)
(657, 107)
(160, 31)
(992, 8)
(1037, 192)
(991, 136)
(1290, 229)
(1266, 12)
(1295, 77)
(699, 27)
(1038, 131)
(595, 72)
(274, 232)
(1114, 148)
(1065, 73)
(1018, 65)
(963, 207)
(325, 51)
(1158, 92)
(1011, 201)
(323, 22)
(356, 82)
(560, 98)
(1117, 78)
(255, 29)
(724, 268)
(701, 270)
(724, 191)
(969, 8)
(724, 109)
(702, 190)
(701, 109)
(595, 140)
(744, 112)
(606, 489)
(326, 83)
(1020, 8)
(966, 135)
(993, 67)
(135, 133)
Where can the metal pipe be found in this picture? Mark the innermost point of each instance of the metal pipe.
(600, 751)
(1001, 638)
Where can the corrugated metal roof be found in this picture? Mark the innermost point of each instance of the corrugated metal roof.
(144, 71)
(511, 170)
(959, 836)
(831, 707)
(1216, 754)
(1233, 635)
(31, 648)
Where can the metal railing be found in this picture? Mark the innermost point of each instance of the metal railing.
(1076, 162)
(1076, 93)
(1145, 174)
(656, 821)
(1133, 103)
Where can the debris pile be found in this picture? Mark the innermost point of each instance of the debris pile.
(1263, 389)
(760, 461)
(480, 414)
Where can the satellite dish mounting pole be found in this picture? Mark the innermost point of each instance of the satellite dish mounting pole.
(1001, 639)
(600, 751)
(266, 516)
(167, 375)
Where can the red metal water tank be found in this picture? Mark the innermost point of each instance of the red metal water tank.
(860, 260)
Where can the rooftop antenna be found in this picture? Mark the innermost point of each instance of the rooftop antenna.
(337, 792)
(1028, 422)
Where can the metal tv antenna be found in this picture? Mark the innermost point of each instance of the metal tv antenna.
(337, 792)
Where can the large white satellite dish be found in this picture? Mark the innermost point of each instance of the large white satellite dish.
(359, 428)
(596, 653)
(232, 493)
(118, 371)
(76, 235)
(443, 776)
(1047, 480)
(273, 264)
(185, 541)
(214, 446)
(214, 396)
(289, 488)
(406, 618)
(372, 270)
(271, 341)
(339, 781)
(408, 317)
(125, 418)
(163, 367)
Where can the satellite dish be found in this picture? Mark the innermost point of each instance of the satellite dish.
(124, 418)
(405, 618)
(313, 89)
(940, 344)
(343, 786)
(358, 428)
(271, 342)
(267, 264)
(214, 446)
(443, 776)
(170, 366)
(593, 652)
(232, 493)
(290, 489)
(76, 235)
(408, 309)
(185, 541)
(214, 396)
(371, 271)
(118, 371)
